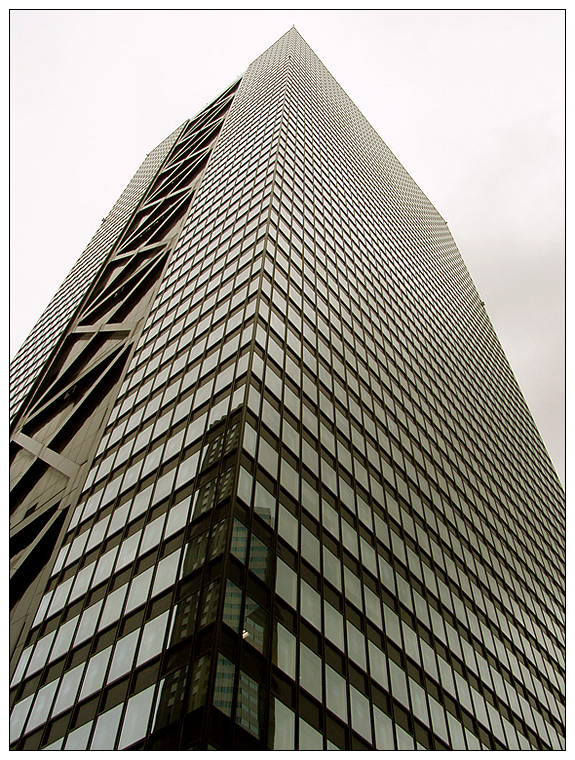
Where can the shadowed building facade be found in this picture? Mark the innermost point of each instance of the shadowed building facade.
(273, 482)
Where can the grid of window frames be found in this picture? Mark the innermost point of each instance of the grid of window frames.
(314, 520)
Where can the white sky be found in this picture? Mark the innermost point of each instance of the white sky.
(471, 102)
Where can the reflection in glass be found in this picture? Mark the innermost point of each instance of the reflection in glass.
(195, 554)
(248, 707)
(224, 685)
(232, 606)
(204, 498)
(255, 624)
(170, 699)
(199, 682)
(259, 559)
(218, 538)
(239, 540)
(265, 505)
(209, 603)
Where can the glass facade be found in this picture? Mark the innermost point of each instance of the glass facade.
(310, 513)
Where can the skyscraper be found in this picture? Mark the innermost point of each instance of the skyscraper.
(273, 482)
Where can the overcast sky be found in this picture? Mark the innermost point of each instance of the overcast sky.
(471, 102)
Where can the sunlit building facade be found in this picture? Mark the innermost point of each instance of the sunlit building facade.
(274, 484)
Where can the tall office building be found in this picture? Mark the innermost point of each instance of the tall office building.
(274, 483)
